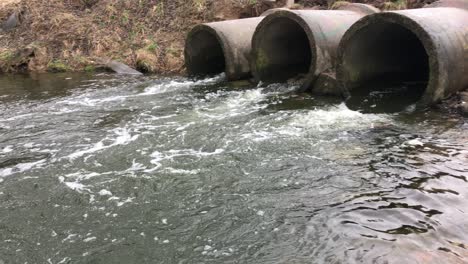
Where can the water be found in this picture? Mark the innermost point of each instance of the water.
(108, 169)
(386, 96)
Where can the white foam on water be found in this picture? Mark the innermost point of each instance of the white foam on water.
(82, 176)
(128, 200)
(157, 156)
(136, 166)
(7, 149)
(89, 239)
(89, 100)
(181, 171)
(17, 117)
(183, 127)
(414, 142)
(64, 260)
(258, 136)
(122, 136)
(76, 186)
(178, 85)
(237, 103)
(155, 118)
(21, 167)
(70, 238)
(30, 145)
(337, 118)
(105, 192)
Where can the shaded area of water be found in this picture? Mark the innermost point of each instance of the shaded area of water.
(386, 96)
(106, 169)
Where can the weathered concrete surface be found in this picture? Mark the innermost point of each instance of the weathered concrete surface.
(118, 67)
(217, 47)
(293, 42)
(221, 47)
(428, 45)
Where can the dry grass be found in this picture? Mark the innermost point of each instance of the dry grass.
(395, 5)
(4, 3)
(75, 32)
(145, 33)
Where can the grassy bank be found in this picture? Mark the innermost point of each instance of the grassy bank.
(72, 35)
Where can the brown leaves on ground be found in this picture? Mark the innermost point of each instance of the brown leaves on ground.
(148, 34)
(73, 31)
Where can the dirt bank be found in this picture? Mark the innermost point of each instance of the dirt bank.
(70, 35)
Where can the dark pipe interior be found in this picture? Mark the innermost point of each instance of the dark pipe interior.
(204, 54)
(386, 67)
(283, 51)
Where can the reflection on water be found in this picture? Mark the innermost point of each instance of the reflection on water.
(106, 169)
(385, 96)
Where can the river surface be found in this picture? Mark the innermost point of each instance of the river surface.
(107, 169)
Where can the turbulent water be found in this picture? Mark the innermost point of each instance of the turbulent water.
(106, 169)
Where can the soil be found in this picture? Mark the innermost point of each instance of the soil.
(75, 35)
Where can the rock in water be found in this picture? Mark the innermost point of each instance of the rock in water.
(11, 22)
(464, 103)
(121, 68)
(326, 84)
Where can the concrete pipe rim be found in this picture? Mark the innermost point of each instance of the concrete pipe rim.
(262, 28)
(407, 23)
(206, 28)
(358, 7)
(461, 4)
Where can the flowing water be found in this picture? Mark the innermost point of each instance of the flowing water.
(107, 169)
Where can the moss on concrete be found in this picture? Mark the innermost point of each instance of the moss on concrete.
(262, 60)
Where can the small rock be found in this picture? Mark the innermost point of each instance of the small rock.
(11, 22)
(119, 67)
(463, 104)
(464, 108)
(326, 84)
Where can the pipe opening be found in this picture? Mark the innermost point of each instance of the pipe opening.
(283, 51)
(204, 54)
(386, 68)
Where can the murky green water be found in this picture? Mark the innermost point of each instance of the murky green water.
(107, 169)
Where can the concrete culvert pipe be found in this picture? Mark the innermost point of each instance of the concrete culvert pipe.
(218, 47)
(301, 43)
(405, 57)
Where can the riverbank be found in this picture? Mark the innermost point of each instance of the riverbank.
(58, 36)
(74, 35)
